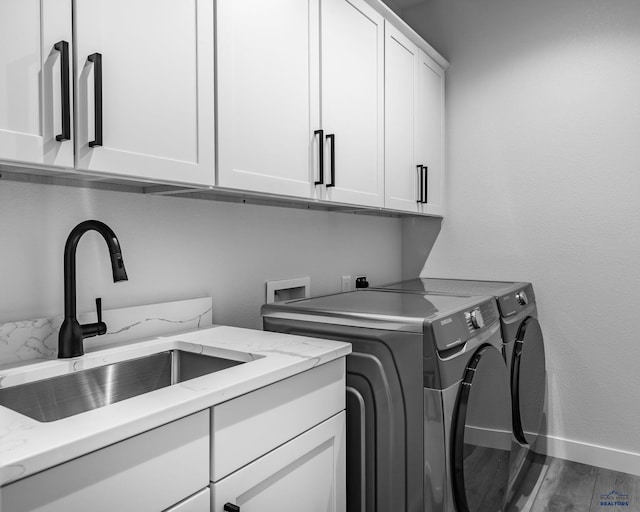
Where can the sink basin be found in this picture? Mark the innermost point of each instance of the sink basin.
(70, 394)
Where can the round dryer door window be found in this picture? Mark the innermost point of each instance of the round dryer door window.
(481, 437)
(528, 382)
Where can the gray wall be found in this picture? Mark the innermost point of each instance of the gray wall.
(177, 248)
(543, 129)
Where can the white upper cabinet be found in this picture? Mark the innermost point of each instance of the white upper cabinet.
(145, 89)
(430, 133)
(329, 100)
(353, 100)
(414, 101)
(35, 99)
(283, 110)
(402, 174)
(268, 105)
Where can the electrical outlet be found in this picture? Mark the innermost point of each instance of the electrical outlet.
(345, 283)
(361, 282)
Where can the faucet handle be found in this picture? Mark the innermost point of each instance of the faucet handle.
(99, 308)
(100, 325)
(97, 329)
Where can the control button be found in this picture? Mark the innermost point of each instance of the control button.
(476, 319)
(522, 299)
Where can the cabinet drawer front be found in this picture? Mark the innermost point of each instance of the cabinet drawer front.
(306, 474)
(197, 503)
(251, 425)
(149, 472)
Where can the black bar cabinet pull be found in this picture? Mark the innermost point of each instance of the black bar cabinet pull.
(420, 185)
(332, 138)
(65, 93)
(230, 507)
(96, 58)
(425, 183)
(320, 157)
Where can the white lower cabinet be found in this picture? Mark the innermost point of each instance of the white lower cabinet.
(307, 473)
(199, 502)
(148, 472)
(282, 447)
(278, 448)
(250, 426)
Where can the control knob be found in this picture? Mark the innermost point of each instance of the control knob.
(522, 298)
(476, 319)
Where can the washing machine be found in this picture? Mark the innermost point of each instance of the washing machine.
(523, 347)
(428, 403)
(523, 350)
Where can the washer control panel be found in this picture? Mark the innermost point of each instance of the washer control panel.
(475, 319)
(455, 329)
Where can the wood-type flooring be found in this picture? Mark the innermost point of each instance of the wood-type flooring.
(548, 484)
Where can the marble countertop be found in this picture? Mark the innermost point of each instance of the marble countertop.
(28, 446)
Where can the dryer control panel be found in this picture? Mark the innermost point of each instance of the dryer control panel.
(455, 329)
(515, 301)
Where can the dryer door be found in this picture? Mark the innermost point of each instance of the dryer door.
(528, 382)
(481, 436)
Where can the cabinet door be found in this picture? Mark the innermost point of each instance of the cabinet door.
(31, 95)
(268, 106)
(402, 179)
(307, 473)
(352, 70)
(430, 132)
(200, 502)
(146, 473)
(156, 85)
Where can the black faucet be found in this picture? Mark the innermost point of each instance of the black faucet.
(72, 334)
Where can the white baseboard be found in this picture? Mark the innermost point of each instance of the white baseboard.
(560, 448)
(489, 438)
(592, 454)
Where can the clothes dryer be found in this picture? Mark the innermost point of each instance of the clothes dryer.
(428, 405)
(523, 347)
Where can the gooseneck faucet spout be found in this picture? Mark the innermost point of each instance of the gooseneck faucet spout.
(72, 334)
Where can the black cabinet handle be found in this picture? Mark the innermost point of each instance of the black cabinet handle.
(420, 185)
(230, 507)
(332, 138)
(96, 58)
(320, 157)
(65, 92)
(425, 183)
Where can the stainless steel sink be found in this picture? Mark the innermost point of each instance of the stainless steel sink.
(66, 395)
